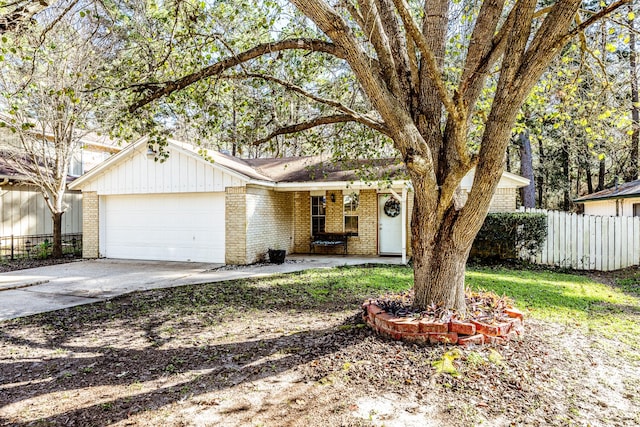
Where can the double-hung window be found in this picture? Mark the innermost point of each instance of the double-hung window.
(350, 202)
(318, 214)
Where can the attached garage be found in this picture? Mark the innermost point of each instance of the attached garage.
(139, 208)
(171, 227)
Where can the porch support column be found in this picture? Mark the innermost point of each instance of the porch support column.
(403, 209)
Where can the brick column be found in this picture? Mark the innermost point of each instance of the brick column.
(236, 225)
(301, 221)
(366, 242)
(90, 225)
(335, 213)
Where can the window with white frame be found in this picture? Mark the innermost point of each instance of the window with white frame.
(350, 204)
(318, 214)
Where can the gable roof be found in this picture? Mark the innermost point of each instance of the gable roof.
(323, 169)
(12, 168)
(227, 166)
(622, 191)
(287, 172)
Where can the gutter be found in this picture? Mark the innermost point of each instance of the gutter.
(612, 197)
(330, 185)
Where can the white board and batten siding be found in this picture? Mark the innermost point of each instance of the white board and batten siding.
(589, 242)
(180, 173)
(23, 212)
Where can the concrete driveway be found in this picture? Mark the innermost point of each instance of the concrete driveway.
(38, 290)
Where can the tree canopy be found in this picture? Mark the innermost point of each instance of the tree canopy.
(442, 82)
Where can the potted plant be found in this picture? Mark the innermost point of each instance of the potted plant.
(276, 256)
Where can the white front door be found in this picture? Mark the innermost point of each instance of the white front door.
(389, 225)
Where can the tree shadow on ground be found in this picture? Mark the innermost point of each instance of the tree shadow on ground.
(320, 291)
(204, 369)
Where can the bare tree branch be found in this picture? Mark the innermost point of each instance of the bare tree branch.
(597, 16)
(358, 117)
(299, 127)
(23, 11)
(372, 26)
(481, 42)
(157, 90)
(398, 43)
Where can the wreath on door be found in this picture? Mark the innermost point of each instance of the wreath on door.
(392, 207)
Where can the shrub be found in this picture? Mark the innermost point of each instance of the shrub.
(507, 235)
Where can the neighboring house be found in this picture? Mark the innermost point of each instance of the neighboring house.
(621, 200)
(232, 210)
(23, 210)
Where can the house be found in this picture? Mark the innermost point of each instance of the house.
(621, 200)
(233, 210)
(23, 211)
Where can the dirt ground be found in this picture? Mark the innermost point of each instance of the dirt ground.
(158, 358)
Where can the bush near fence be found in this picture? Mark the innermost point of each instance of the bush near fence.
(507, 236)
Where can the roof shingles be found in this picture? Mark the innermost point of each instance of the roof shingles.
(622, 191)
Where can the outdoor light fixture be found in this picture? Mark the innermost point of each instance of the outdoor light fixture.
(151, 154)
(333, 198)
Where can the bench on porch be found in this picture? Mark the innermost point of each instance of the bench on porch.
(329, 240)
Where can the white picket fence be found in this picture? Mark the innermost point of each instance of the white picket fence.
(588, 242)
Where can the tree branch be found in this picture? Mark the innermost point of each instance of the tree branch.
(23, 11)
(597, 16)
(158, 90)
(480, 43)
(429, 59)
(358, 117)
(398, 43)
(299, 127)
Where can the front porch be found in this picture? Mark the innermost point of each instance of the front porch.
(329, 261)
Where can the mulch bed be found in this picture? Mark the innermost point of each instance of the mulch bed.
(489, 319)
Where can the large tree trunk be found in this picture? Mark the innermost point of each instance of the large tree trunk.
(528, 193)
(439, 259)
(57, 235)
(589, 178)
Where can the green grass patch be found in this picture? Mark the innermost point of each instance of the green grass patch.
(574, 300)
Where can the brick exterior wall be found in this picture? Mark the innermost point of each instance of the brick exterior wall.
(334, 220)
(236, 225)
(269, 222)
(90, 225)
(504, 200)
(366, 242)
(301, 221)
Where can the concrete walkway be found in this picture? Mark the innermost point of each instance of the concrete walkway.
(38, 290)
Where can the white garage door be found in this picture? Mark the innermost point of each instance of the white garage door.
(171, 227)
